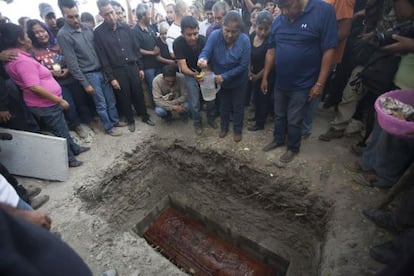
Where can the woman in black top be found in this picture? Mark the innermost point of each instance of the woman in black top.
(259, 43)
(164, 57)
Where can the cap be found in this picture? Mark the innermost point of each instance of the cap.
(45, 9)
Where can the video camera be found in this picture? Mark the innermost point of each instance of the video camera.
(381, 39)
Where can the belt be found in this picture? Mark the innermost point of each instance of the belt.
(93, 71)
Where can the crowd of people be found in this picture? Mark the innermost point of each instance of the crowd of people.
(283, 60)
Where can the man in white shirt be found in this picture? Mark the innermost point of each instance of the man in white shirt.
(208, 15)
(181, 9)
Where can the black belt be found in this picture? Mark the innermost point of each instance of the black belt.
(93, 71)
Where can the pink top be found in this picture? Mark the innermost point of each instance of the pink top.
(26, 72)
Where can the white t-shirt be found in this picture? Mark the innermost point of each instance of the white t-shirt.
(203, 27)
(8, 194)
(173, 32)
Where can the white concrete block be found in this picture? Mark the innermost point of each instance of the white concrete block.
(35, 155)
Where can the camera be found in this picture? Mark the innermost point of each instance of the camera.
(381, 39)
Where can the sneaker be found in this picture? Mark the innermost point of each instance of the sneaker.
(81, 132)
(223, 133)
(131, 127)
(120, 124)
(213, 125)
(237, 137)
(332, 134)
(287, 156)
(39, 201)
(148, 122)
(385, 253)
(271, 145)
(32, 191)
(75, 163)
(114, 132)
(198, 130)
(381, 219)
(254, 128)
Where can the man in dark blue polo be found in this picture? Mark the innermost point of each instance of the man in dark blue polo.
(302, 44)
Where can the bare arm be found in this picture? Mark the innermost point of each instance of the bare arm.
(344, 29)
(165, 60)
(269, 63)
(34, 217)
(326, 64)
(40, 91)
(249, 5)
(184, 68)
(130, 13)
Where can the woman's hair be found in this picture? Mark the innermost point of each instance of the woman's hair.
(264, 17)
(164, 27)
(30, 24)
(233, 16)
(9, 35)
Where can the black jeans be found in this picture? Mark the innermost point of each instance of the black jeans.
(232, 100)
(130, 93)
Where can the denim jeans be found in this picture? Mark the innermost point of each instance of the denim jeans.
(84, 103)
(104, 100)
(389, 156)
(307, 122)
(232, 100)
(193, 96)
(149, 77)
(167, 115)
(71, 115)
(52, 118)
(23, 205)
(290, 111)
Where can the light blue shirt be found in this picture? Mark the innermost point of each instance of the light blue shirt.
(232, 64)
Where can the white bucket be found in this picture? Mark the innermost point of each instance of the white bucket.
(208, 87)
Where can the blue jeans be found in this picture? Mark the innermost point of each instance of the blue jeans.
(387, 155)
(71, 115)
(53, 119)
(307, 122)
(167, 115)
(149, 77)
(290, 111)
(193, 97)
(23, 205)
(104, 100)
(232, 100)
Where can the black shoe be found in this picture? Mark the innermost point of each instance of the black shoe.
(381, 219)
(384, 253)
(148, 122)
(332, 134)
(75, 163)
(287, 156)
(254, 128)
(131, 127)
(271, 146)
(82, 150)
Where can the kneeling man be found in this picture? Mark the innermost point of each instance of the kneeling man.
(169, 94)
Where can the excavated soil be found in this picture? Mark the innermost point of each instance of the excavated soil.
(277, 212)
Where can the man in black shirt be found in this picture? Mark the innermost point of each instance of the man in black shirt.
(119, 53)
(187, 48)
(147, 41)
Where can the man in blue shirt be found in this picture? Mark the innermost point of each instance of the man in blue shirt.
(228, 50)
(302, 44)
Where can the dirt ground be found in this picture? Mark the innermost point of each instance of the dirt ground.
(308, 212)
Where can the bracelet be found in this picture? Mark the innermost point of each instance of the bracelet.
(319, 84)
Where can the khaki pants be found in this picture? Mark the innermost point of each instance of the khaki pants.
(350, 98)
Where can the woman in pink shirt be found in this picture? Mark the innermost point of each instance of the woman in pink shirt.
(41, 93)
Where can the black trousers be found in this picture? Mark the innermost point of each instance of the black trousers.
(130, 93)
(264, 102)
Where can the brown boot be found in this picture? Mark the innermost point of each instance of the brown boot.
(38, 201)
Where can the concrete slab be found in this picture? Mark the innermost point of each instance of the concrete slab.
(35, 155)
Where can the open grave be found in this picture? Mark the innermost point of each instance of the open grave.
(264, 220)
